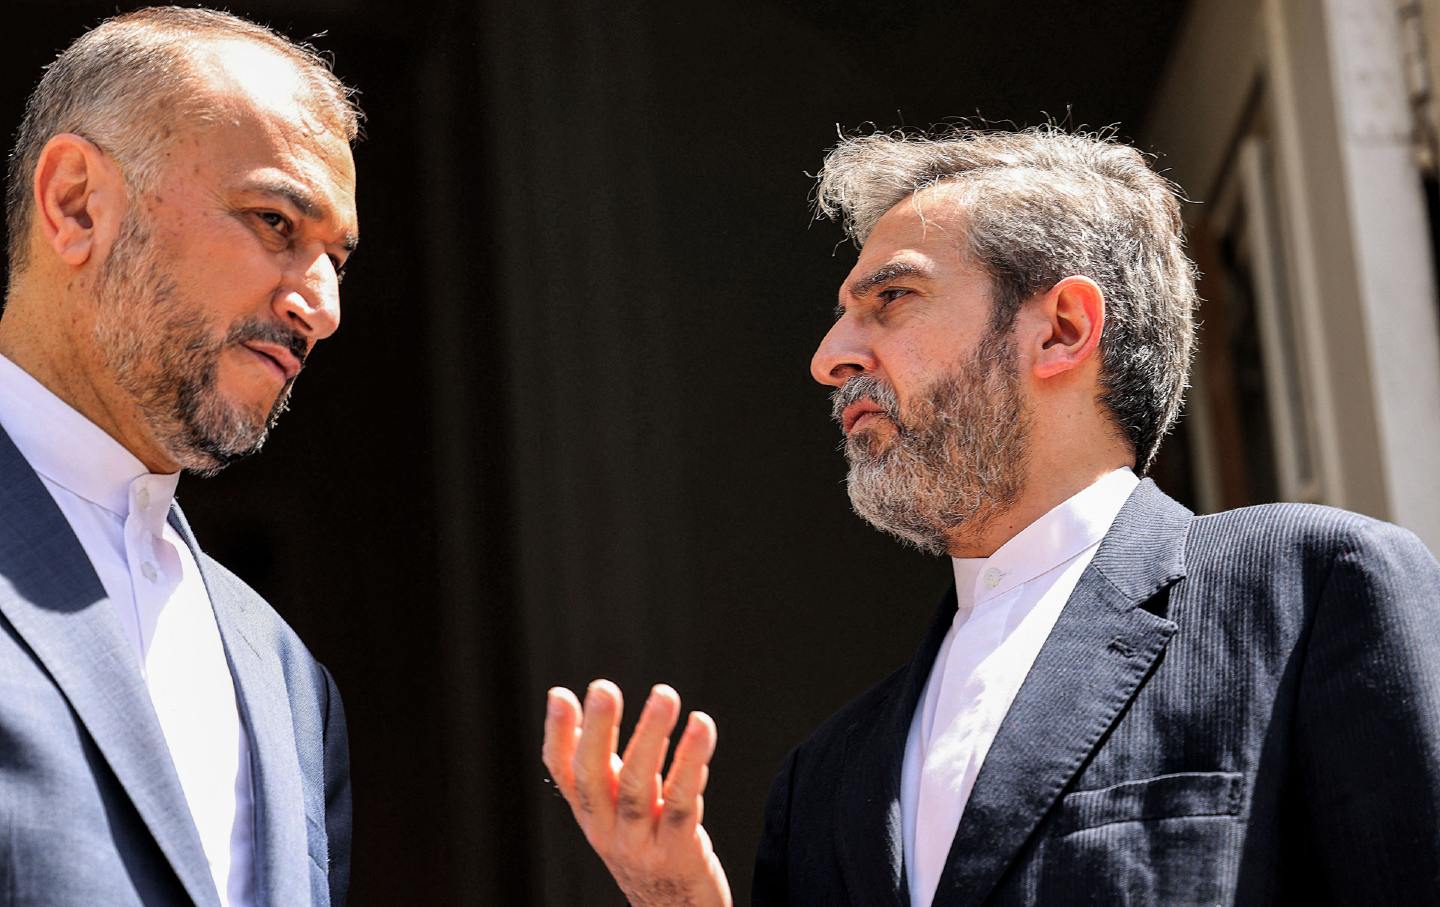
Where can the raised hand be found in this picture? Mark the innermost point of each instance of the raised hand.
(648, 834)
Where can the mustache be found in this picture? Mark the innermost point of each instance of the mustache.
(269, 332)
(864, 387)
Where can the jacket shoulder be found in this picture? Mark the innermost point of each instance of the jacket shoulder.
(1309, 529)
(1294, 552)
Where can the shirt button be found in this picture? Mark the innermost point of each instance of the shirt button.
(992, 578)
(148, 570)
(142, 497)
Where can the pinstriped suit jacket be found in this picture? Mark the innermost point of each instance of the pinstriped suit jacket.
(91, 809)
(1233, 709)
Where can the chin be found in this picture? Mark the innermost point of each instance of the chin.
(868, 443)
(211, 430)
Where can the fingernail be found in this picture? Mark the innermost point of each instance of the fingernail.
(591, 690)
(552, 704)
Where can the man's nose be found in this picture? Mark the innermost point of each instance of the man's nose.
(309, 302)
(843, 354)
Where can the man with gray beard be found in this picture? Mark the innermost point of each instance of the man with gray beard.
(1120, 702)
(180, 203)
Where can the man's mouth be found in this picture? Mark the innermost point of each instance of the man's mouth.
(859, 414)
(278, 357)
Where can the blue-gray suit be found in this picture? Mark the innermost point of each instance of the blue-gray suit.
(1233, 709)
(91, 809)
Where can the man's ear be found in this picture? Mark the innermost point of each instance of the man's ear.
(80, 198)
(1073, 317)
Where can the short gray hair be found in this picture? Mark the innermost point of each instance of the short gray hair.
(130, 84)
(1041, 205)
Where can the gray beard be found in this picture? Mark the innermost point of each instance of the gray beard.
(163, 352)
(954, 462)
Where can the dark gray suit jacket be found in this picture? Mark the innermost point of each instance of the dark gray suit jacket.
(91, 810)
(1232, 709)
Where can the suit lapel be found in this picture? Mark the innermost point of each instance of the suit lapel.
(869, 820)
(51, 596)
(281, 844)
(1102, 648)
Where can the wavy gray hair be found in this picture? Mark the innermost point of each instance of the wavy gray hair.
(1043, 204)
(130, 85)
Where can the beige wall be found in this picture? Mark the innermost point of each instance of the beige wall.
(1355, 231)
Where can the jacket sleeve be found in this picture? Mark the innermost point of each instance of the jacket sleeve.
(337, 792)
(771, 887)
(1368, 722)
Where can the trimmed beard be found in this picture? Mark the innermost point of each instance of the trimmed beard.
(955, 461)
(164, 352)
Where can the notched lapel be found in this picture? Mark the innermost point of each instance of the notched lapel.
(868, 817)
(1101, 650)
(281, 840)
(50, 594)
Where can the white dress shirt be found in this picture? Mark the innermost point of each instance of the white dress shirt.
(1008, 604)
(119, 512)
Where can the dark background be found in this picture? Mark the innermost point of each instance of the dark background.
(567, 429)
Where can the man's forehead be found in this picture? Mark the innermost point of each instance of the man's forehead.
(258, 86)
(263, 136)
(258, 75)
(919, 235)
(937, 208)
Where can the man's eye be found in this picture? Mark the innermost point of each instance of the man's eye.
(276, 221)
(890, 295)
(338, 266)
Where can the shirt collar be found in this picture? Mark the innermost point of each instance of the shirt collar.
(75, 453)
(967, 575)
(1069, 528)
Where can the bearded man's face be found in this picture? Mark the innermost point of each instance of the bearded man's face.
(164, 350)
(928, 385)
(225, 272)
(940, 469)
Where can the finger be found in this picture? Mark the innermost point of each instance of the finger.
(689, 772)
(638, 792)
(562, 728)
(712, 862)
(595, 751)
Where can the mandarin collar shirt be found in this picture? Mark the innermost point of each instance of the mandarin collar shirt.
(120, 511)
(1007, 605)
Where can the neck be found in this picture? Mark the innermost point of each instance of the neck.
(57, 350)
(1046, 487)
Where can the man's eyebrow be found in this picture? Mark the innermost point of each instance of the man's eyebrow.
(896, 270)
(893, 271)
(306, 203)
